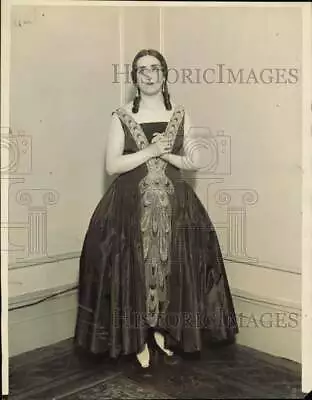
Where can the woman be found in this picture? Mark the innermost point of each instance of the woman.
(151, 257)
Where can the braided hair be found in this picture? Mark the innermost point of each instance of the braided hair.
(163, 63)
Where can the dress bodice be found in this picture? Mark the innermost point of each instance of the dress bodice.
(149, 128)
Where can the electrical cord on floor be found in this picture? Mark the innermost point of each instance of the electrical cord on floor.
(44, 298)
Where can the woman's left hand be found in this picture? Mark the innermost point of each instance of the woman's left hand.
(157, 136)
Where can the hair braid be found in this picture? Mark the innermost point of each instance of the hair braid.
(136, 102)
(166, 96)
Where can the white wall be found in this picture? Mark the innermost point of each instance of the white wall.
(306, 208)
(262, 123)
(62, 95)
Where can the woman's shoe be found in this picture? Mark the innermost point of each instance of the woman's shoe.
(160, 342)
(144, 357)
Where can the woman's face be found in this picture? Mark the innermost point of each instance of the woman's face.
(149, 75)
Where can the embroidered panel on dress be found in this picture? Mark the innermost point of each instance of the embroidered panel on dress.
(155, 189)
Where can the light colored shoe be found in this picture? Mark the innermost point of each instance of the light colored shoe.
(160, 340)
(144, 357)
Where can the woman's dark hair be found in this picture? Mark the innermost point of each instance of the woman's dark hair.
(164, 66)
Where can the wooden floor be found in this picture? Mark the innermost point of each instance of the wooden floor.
(56, 372)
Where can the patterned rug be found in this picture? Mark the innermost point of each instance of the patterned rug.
(58, 373)
(118, 387)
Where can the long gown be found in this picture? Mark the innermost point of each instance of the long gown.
(151, 258)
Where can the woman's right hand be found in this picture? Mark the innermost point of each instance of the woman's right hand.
(160, 145)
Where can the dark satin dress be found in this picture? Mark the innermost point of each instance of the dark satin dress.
(151, 258)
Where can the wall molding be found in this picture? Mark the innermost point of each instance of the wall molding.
(28, 299)
(276, 303)
(262, 265)
(76, 254)
(45, 260)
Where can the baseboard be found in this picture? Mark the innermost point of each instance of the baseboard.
(41, 324)
(268, 326)
(272, 326)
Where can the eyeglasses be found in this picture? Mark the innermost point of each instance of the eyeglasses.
(152, 69)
